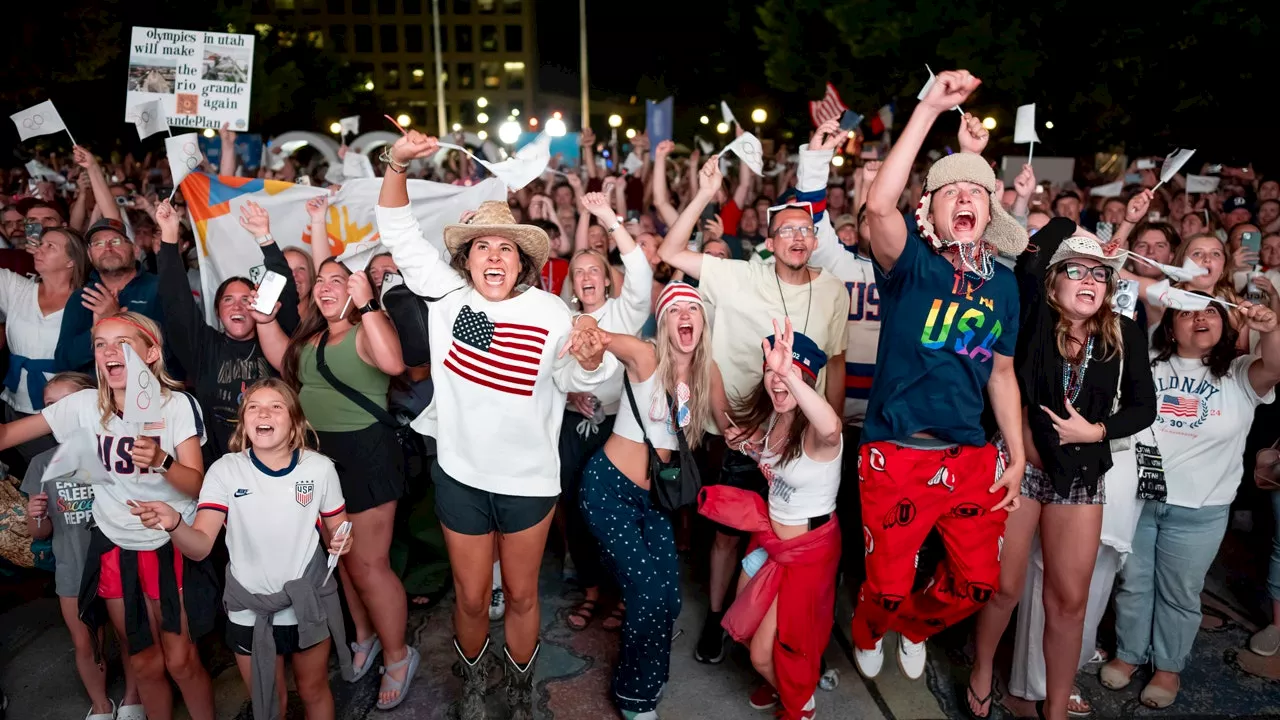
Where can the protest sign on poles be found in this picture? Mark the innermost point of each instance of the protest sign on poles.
(202, 79)
(42, 119)
(1024, 129)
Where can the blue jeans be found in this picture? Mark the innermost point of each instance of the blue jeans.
(1158, 604)
(1273, 575)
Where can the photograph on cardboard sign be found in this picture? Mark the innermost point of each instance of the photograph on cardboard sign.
(152, 75)
(227, 65)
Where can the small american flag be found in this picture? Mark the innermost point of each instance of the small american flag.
(830, 107)
(1180, 406)
(500, 356)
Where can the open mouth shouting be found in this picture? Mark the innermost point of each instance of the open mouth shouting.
(963, 222)
(495, 276)
(264, 431)
(685, 334)
(115, 370)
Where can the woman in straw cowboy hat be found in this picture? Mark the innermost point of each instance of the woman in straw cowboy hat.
(503, 375)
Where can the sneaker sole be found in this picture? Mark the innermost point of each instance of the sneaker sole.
(869, 676)
(770, 706)
(906, 674)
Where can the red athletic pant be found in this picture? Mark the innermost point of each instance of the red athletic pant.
(906, 493)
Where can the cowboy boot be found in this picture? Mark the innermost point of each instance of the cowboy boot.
(475, 682)
(519, 685)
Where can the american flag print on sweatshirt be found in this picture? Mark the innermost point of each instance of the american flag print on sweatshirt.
(500, 356)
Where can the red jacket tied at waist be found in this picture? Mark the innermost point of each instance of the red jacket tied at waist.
(800, 573)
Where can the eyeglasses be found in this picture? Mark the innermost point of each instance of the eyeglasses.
(1076, 271)
(805, 206)
(790, 231)
(116, 241)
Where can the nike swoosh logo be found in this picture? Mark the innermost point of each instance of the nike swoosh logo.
(241, 492)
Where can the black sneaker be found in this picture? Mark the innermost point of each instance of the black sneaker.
(711, 646)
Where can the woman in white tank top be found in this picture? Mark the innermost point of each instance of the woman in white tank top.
(636, 539)
(795, 435)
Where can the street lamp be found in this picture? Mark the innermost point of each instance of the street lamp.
(704, 120)
(722, 128)
(837, 160)
(615, 121)
(989, 123)
(555, 126)
(509, 132)
(404, 119)
(1048, 124)
(533, 122)
(482, 135)
(482, 118)
(335, 128)
(482, 102)
(368, 85)
(631, 133)
(457, 127)
(759, 115)
(209, 132)
(515, 112)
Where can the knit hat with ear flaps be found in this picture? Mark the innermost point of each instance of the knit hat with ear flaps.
(1003, 232)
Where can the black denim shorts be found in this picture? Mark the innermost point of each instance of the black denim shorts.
(471, 511)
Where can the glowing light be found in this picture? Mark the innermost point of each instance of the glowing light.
(759, 115)
(555, 126)
(704, 120)
(334, 128)
(512, 66)
(482, 102)
(989, 123)
(533, 122)
(556, 115)
(404, 120)
(419, 72)
(368, 85)
(1048, 124)
(722, 128)
(482, 135)
(509, 132)
(210, 132)
(615, 121)
(631, 133)
(457, 127)
(482, 118)
(837, 160)
(515, 112)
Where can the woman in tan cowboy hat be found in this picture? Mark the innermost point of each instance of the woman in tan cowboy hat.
(501, 346)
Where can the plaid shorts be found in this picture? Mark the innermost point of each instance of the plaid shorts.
(1038, 486)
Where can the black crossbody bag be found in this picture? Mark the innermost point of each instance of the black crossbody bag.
(674, 484)
(410, 442)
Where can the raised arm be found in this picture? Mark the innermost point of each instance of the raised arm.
(1134, 211)
(661, 197)
(424, 271)
(637, 282)
(745, 180)
(227, 161)
(638, 356)
(185, 329)
(674, 249)
(588, 141)
(377, 342)
(888, 228)
(318, 236)
(811, 186)
(1024, 186)
(105, 203)
(823, 436)
(1264, 372)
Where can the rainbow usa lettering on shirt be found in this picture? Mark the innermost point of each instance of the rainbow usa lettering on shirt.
(977, 318)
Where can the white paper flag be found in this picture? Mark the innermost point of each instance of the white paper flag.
(748, 149)
(727, 114)
(1024, 130)
(350, 125)
(527, 165)
(149, 118)
(76, 460)
(1173, 164)
(1189, 270)
(142, 400)
(42, 119)
(1110, 190)
(703, 145)
(40, 171)
(357, 256)
(1202, 183)
(633, 164)
(184, 155)
(925, 90)
(1163, 295)
(356, 165)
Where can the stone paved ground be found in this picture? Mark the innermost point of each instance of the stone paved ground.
(573, 671)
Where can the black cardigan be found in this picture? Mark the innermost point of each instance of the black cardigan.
(1039, 369)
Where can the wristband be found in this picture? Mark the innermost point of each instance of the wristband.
(264, 240)
(615, 227)
(175, 525)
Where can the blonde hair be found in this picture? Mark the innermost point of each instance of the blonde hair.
(700, 411)
(1225, 287)
(574, 301)
(301, 434)
(80, 380)
(1104, 324)
(149, 333)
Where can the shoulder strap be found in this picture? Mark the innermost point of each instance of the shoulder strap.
(631, 399)
(347, 391)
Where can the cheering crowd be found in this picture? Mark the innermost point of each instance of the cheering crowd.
(1050, 393)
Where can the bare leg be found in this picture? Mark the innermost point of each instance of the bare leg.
(762, 646)
(244, 665)
(471, 561)
(311, 674)
(359, 613)
(182, 661)
(993, 618)
(369, 565)
(92, 673)
(1070, 535)
(146, 666)
(521, 560)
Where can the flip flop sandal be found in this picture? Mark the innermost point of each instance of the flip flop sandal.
(102, 716)
(370, 648)
(1077, 698)
(988, 701)
(586, 612)
(402, 686)
(615, 619)
(1099, 656)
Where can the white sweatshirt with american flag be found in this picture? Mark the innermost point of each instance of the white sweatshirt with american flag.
(499, 387)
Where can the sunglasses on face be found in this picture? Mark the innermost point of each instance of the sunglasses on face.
(1076, 271)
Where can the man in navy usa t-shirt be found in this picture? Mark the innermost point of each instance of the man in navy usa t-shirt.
(949, 322)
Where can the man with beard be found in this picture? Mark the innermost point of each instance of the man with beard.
(117, 282)
(948, 327)
(748, 298)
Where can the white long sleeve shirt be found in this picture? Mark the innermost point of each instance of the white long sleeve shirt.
(625, 315)
(499, 387)
(29, 333)
(859, 278)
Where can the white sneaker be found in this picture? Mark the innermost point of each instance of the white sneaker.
(869, 662)
(911, 657)
(497, 605)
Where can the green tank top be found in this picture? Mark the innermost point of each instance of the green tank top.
(326, 408)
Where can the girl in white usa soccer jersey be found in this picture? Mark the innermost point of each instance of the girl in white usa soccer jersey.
(272, 493)
(145, 583)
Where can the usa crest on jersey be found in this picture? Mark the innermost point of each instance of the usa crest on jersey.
(304, 492)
